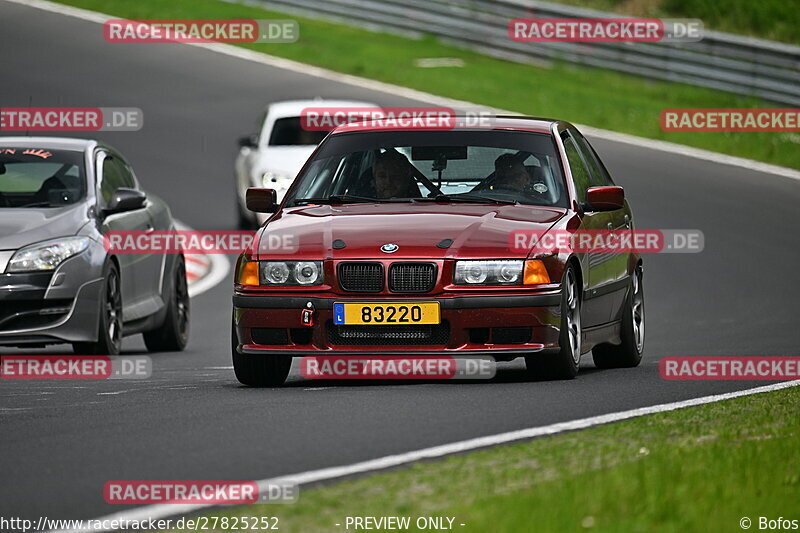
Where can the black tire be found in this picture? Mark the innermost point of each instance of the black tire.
(259, 370)
(565, 363)
(173, 334)
(109, 334)
(629, 353)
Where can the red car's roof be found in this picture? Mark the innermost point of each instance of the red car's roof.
(537, 125)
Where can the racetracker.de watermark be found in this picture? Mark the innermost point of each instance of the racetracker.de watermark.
(196, 242)
(729, 368)
(201, 31)
(397, 367)
(71, 119)
(607, 241)
(198, 492)
(604, 30)
(738, 120)
(372, 117)
(75, 367)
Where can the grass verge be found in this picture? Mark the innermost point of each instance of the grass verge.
(696, 469)
(600, 98)
(776, 20)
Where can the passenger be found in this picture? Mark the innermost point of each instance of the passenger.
(393, 176)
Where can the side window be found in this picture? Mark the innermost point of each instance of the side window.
(599, 174)
(115, 174)
(580, 174)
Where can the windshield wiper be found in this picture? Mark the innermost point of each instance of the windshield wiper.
(471, 198)
(37, 204)
(344, 199)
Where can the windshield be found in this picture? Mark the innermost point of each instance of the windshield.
(444, 166)
(38, 177)
(289, 132)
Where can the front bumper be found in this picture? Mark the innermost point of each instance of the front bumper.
(502, 326)
(51, 307)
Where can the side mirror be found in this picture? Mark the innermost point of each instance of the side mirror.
(261, 200)
(249, 141)
(125, 199)
(605, 198)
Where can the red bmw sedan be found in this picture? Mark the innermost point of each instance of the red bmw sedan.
(400, 241)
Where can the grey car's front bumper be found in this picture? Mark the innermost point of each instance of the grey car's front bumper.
(51, 307)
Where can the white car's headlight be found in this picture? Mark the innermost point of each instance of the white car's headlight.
(275, 180)
(46, 255)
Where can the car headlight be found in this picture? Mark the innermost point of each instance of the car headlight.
(291, 273)
(46, 255)
(274, 180)
(501, 272)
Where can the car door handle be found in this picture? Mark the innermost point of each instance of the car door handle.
(148, 228)
(610, 225)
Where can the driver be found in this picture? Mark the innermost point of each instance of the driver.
(510, 173)
(393, 178)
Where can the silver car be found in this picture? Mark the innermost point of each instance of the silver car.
(58, 282)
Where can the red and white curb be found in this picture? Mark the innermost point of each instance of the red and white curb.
(203, 271)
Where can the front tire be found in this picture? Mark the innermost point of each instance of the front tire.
(173, 334)
(109, 334)
(629, 353)
(565, 363)
(258, 370)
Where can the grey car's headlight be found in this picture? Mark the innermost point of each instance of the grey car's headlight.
(46, 255)
(492, 272)
(291, 273)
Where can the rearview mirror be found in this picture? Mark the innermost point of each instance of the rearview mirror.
(261, 200)
(249, 141)
(606, 198)
(125, 199)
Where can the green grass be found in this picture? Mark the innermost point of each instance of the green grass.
(595, 97)
(697, 469)
(777, 20)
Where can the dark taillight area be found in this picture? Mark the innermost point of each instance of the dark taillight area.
(361, 277)
(412, 277)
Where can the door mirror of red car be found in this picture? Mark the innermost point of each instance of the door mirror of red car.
(261, 200)
(605, 198)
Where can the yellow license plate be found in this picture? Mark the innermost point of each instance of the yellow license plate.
(385, 313)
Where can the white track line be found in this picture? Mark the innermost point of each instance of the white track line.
(413, 94)
(160, 511)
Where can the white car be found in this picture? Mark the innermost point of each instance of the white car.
(273, 157)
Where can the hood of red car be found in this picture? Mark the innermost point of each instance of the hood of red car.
(359, 231)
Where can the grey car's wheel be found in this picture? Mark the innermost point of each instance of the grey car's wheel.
(109, 334)
(173, 334)
(629, 353)
(259, 370)
(565, 363)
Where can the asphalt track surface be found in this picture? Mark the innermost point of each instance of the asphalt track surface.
(61, 441)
